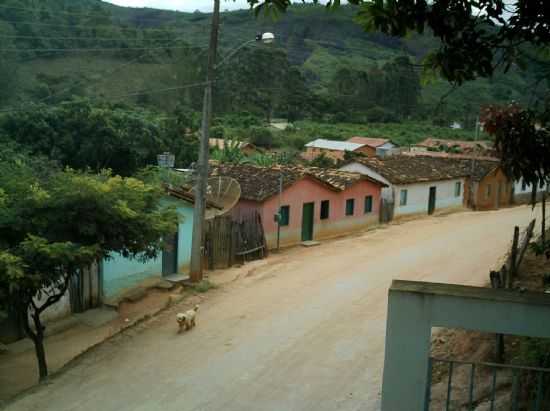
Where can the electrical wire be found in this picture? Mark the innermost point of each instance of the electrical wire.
(88, 14)
(92, 50)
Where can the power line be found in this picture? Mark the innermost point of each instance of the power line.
(71, 26)
(87, 14)
(31, 37)
(91, 50)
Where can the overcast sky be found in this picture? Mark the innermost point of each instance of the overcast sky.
(184, 5)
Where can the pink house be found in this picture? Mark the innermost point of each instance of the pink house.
(314, 204)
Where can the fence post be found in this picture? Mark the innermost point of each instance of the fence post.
(512, 269)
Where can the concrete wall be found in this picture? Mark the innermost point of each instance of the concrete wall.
(309, 190)
(418, 196)
(415, 307)
(120, 273)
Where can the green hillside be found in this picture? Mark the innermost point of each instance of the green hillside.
(54, 50)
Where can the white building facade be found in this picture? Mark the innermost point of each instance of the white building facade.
(523, 192)
(416, 197)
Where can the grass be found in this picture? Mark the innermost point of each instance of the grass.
(204, 286)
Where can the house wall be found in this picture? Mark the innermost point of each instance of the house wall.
(366, 150)
(485, 200)
(120, 273)
(309, 190)
(418, 195)
(312, 153)
(522, 195)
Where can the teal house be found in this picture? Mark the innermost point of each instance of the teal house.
(119, 274)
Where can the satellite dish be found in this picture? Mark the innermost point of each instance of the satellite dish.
(222, 193)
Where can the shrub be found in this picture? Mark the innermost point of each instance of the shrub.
(261, 137)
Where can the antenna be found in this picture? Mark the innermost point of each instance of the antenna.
(222, 193)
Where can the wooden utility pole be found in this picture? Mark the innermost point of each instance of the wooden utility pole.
(202, 165)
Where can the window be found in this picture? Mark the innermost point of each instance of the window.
(403, 197)
(325, 209)
(458, 188)
(284, 215)
(488, 192)
(350, 206)
(368, 204)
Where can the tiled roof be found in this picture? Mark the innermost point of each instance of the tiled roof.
(443, 154)
(334, 145)
(369, 141)
(404, 169)
(462, 144)
(260, 183)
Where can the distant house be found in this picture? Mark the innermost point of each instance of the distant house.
(332, 149)
(491, 188)
(416, 185)
(220, 143)
(481, 147)
(380, 147)
(523, 192)
(314, 203)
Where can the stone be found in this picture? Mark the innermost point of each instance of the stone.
(135, 295)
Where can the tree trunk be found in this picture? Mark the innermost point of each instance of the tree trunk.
(39, 347)
(543, 228)
(37, 339)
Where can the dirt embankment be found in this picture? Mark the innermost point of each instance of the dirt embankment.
(471, 346)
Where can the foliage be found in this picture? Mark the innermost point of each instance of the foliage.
(230, 153)
(54, 224)
(322, 161)
(204, 286)
(261, 137)
(522, 142)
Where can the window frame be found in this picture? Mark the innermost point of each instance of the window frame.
(369, 201)
(458, 188)
(348, 202)
(282, 221)
(403, 197)
(321, 214)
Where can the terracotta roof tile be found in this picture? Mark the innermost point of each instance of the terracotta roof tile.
(260, 183)
(369, 141)
(415, 169)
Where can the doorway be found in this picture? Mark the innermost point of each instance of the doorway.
(307, 221)
(431, 200)
(499, 193)
(170, 255)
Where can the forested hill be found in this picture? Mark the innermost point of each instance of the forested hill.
(322, 63)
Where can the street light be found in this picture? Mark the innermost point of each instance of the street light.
(202, 164)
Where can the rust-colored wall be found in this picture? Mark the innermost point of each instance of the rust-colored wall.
(312, 152)
(483, 200)
(366, 150)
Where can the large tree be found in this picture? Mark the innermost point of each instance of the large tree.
(54, 224)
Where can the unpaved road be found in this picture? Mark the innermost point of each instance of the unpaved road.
(302, 331)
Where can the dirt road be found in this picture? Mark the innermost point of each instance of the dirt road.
(300, 331)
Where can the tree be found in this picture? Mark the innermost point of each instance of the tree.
(523, 143)
(476, 37)
(54, 224)
(81, 135)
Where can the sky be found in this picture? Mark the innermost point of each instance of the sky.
(183, 5)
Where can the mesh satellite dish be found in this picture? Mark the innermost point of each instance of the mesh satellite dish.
(222, 193)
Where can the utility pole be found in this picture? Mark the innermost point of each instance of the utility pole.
(202, 165)
(471, 196)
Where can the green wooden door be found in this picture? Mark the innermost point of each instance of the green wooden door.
(307, 221)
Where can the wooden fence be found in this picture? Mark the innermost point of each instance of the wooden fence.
(234, 239)
(504, 278)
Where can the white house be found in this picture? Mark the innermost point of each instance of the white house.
(523, 191)
(417, 185)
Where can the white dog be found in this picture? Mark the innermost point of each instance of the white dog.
(186, 320)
